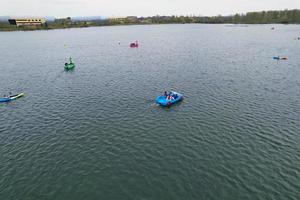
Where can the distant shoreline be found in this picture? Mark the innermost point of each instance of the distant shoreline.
(250, 18)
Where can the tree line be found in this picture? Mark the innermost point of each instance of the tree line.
(268, 17)
(263, 17)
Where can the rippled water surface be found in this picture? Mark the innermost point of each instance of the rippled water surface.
(96, 133)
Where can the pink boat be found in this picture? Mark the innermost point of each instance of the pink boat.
(134, 44)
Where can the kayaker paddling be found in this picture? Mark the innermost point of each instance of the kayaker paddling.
(280, 58)
(69, 65)
(11, 97)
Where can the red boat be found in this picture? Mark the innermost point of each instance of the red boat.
(134, 44)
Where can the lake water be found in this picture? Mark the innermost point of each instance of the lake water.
(96, 132)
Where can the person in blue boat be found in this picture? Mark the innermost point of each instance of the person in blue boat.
(170, 97)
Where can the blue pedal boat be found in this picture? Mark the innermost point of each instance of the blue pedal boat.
(175, 98)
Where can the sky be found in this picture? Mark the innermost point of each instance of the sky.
(121, 8)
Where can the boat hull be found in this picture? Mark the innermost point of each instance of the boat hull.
(2, 100)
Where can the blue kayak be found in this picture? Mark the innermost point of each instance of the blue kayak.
(280, 58)
(163, 101)
(13, 97)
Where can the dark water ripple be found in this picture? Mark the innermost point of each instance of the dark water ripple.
(96, 133)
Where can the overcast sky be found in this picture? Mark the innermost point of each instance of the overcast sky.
(63, 8)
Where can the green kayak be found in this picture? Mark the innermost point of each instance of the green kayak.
(69, 66)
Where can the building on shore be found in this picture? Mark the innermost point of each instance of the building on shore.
(27, 21)
(124, 20)
(132, 19)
